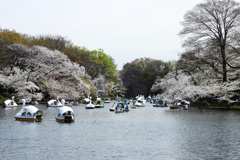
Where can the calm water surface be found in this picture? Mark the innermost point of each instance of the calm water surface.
(143, 133)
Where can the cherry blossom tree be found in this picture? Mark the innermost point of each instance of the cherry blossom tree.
(38, 69)
(103, 87)
(211, 25)
(181, 86)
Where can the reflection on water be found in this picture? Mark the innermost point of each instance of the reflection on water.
(142, 133)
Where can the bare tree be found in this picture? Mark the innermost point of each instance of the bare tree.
(210, 25)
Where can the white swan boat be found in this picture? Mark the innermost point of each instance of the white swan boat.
(54, 103)
(65, 114)
(140, 102)
(29, 113)
(99, 103)
(86, 100)
(90, 105)
(10, 103)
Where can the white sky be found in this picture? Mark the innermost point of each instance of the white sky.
(124, 29)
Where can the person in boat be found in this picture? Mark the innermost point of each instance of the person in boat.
(119, 107)
(165, 103)
(134, 101)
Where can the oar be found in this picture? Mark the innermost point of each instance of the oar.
(113, 104)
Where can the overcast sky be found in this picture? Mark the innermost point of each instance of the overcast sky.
(124, 29)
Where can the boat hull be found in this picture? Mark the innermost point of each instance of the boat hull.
(120, 111)
(175, 107)
(140, 105)
(28, 119)
(89, 107)
(112, 109)
(48, 105)
(10, 106)
(159, 105)
(99, 106)
(65, 120)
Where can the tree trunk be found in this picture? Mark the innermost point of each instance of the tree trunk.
(224, 64)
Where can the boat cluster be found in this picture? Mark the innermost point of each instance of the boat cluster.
(122, 105)
(179, 104)
(66, 114)
(99, 103)
(32, 113)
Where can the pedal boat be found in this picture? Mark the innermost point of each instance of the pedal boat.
(29, 113)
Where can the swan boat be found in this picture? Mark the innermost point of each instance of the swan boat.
(29, 113)
(107, 100)
(140, 102)
(99, 103)
(86, 100)
(90, 105)
(10, 103)
(54, 103)
(65, 114)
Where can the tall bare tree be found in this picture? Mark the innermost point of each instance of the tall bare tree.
(211, 25)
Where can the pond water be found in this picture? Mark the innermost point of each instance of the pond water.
(142, 133)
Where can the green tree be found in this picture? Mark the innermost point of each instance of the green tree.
(105, 64)
(51, 42)
(8, 37)
(139, 75)
(132, 78)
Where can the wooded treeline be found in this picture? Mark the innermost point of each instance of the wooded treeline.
(139, 75)
(19, 50)
(95, 61)
(48, 66)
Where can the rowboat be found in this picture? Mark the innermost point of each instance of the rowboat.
(175, 107)
(119, 107)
